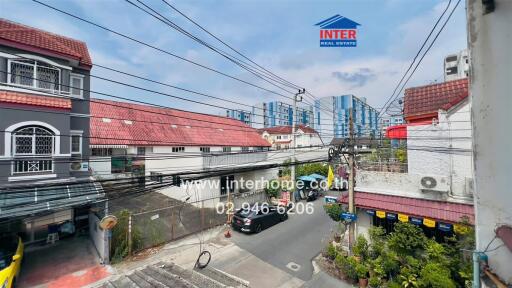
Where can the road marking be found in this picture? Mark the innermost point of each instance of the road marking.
(293, 266)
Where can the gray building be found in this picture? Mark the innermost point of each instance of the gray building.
(44, 131)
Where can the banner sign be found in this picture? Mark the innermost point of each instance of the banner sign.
(417, 221)
(370, 212)
(380, 214)
(391, 216)
(429, 223)
(403, 218)
(444, 227)
(330, 199)
(348, 216)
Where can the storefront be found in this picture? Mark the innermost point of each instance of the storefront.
(437, 219)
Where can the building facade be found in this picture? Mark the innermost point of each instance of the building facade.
(281, 137)
(44, 138)
(277, 113)
(336, 124)
(456, 66)
(434, 187)
(490, 95)
(244, 116)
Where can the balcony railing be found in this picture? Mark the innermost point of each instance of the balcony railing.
(32, 166)
(213, 160)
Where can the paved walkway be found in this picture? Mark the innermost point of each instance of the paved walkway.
(324, 280)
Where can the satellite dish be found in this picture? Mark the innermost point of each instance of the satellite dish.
(108, 222)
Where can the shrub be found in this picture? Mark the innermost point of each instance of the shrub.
(119, 239)
(436, 276)
(362, 271)
(273, 188)
(407, 239)
(334, 211)
(361, 247)
(347, 266)
(331, 251)
(374, 282)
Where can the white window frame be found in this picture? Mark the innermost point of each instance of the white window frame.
(75, 133)
(76, 76)
(34, 76)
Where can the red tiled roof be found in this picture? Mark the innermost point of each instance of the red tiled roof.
(28, 38)
(152, 126)
(438, 210)
(36, 100)
(427, 100)
(287, 129)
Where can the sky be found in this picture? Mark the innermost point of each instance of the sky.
(279, 35)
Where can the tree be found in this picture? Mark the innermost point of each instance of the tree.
(407, 239)
(312, 168)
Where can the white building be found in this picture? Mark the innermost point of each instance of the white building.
(489, 44)
(435, 190)
(281, 137)
(456, 66)
(166, 144)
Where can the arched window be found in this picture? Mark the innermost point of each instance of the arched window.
(33, 140)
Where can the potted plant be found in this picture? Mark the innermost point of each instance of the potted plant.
(374, 282)
(362, 274)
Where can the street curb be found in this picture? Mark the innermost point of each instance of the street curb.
(316, 267)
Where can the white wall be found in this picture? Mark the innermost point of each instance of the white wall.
(489, 41)
(443, 149)
(98, 237)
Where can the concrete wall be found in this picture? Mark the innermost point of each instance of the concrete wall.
(444, 149)
(402, 184)
(489, 41)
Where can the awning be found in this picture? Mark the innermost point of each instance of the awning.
(318, 176)
(422, 208)
(28, 200)
(307, 178)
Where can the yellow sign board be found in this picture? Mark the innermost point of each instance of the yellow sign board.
(403, 218)
(380, 214)
(429, 223)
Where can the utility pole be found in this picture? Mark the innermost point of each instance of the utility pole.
(351, 160)
(297, 98)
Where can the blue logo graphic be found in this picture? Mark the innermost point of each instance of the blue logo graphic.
(338, 31)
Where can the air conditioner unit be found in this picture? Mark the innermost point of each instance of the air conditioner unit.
(434, 184)
(79, 166)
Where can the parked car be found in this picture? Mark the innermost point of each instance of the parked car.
(11, 254)
(255, 220)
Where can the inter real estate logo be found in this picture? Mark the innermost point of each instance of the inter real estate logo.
(338, 31)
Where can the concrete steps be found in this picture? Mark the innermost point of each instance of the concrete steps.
(164, 274)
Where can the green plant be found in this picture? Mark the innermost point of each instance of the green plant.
(312, 168)
(273, 188)
(119, 240)
(436, 276)
(377, 239)
(374, 282)
(409, 281)
(407, 239)
(334, 211)
(331, 251)
(361, 247)
(362, 271)
(347, 266)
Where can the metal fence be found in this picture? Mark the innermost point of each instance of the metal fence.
(155, 227)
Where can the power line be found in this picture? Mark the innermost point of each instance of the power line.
(417, 54)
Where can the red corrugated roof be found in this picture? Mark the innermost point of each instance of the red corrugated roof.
(35, 100)
(287, 129)
(213, 130)
(427, 100)
(29, 38)
(438, 210)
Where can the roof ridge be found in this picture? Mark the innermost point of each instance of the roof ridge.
(40, 30)
(438, 84)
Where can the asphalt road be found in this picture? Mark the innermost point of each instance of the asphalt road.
(295, 241)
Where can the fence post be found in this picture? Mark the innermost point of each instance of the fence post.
(130, 234)
(172, 223)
